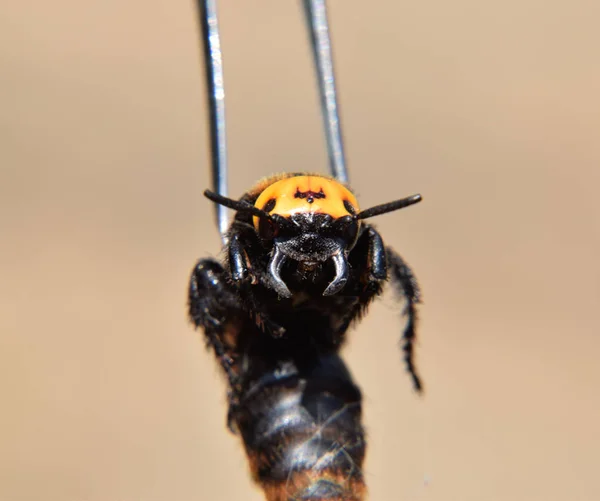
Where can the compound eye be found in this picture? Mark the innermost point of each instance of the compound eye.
(351, 233)
(349, 207)
(270, 205)
(267, 229)
(347, 228)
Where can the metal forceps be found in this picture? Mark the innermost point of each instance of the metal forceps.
(316, 20)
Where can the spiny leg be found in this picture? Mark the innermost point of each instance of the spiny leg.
(212, 306)
(244, 273)
(406, 283)
(377, 256)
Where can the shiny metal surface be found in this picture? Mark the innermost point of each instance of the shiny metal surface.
(316, 18)
(216, 104)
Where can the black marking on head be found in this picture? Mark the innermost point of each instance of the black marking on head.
(309, 195)
(349, 207)
(270, 205)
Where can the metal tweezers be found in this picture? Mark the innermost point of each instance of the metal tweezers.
(316, 19)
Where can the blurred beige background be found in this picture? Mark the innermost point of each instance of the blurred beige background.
(491, 110)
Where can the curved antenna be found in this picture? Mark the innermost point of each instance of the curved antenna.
(316, 18)
(216, 104)
(389, 207)
(238, 205)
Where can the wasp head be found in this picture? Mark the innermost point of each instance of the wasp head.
(310, 220)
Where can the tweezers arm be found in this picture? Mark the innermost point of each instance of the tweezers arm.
(318, 26)
(211, 44)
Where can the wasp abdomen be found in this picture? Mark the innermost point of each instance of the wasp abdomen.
(303, 433)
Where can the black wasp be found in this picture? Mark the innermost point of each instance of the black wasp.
(300, 266)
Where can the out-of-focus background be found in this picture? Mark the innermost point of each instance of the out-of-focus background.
(490, 110)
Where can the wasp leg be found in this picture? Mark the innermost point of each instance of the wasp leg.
(406, 283)
(242, 272)
(382, 263)
(238, 260)
(377, 256)
(215, 308)
(259, 313)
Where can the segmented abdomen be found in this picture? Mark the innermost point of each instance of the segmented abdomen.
(301, 427)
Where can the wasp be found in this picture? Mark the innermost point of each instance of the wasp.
(301, 265)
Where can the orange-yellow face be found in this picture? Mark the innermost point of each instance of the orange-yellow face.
(317, 194)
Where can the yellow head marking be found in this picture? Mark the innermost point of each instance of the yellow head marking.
(296, 194)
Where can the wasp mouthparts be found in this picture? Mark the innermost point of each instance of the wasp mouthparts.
(341, 274)
(275, 271)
